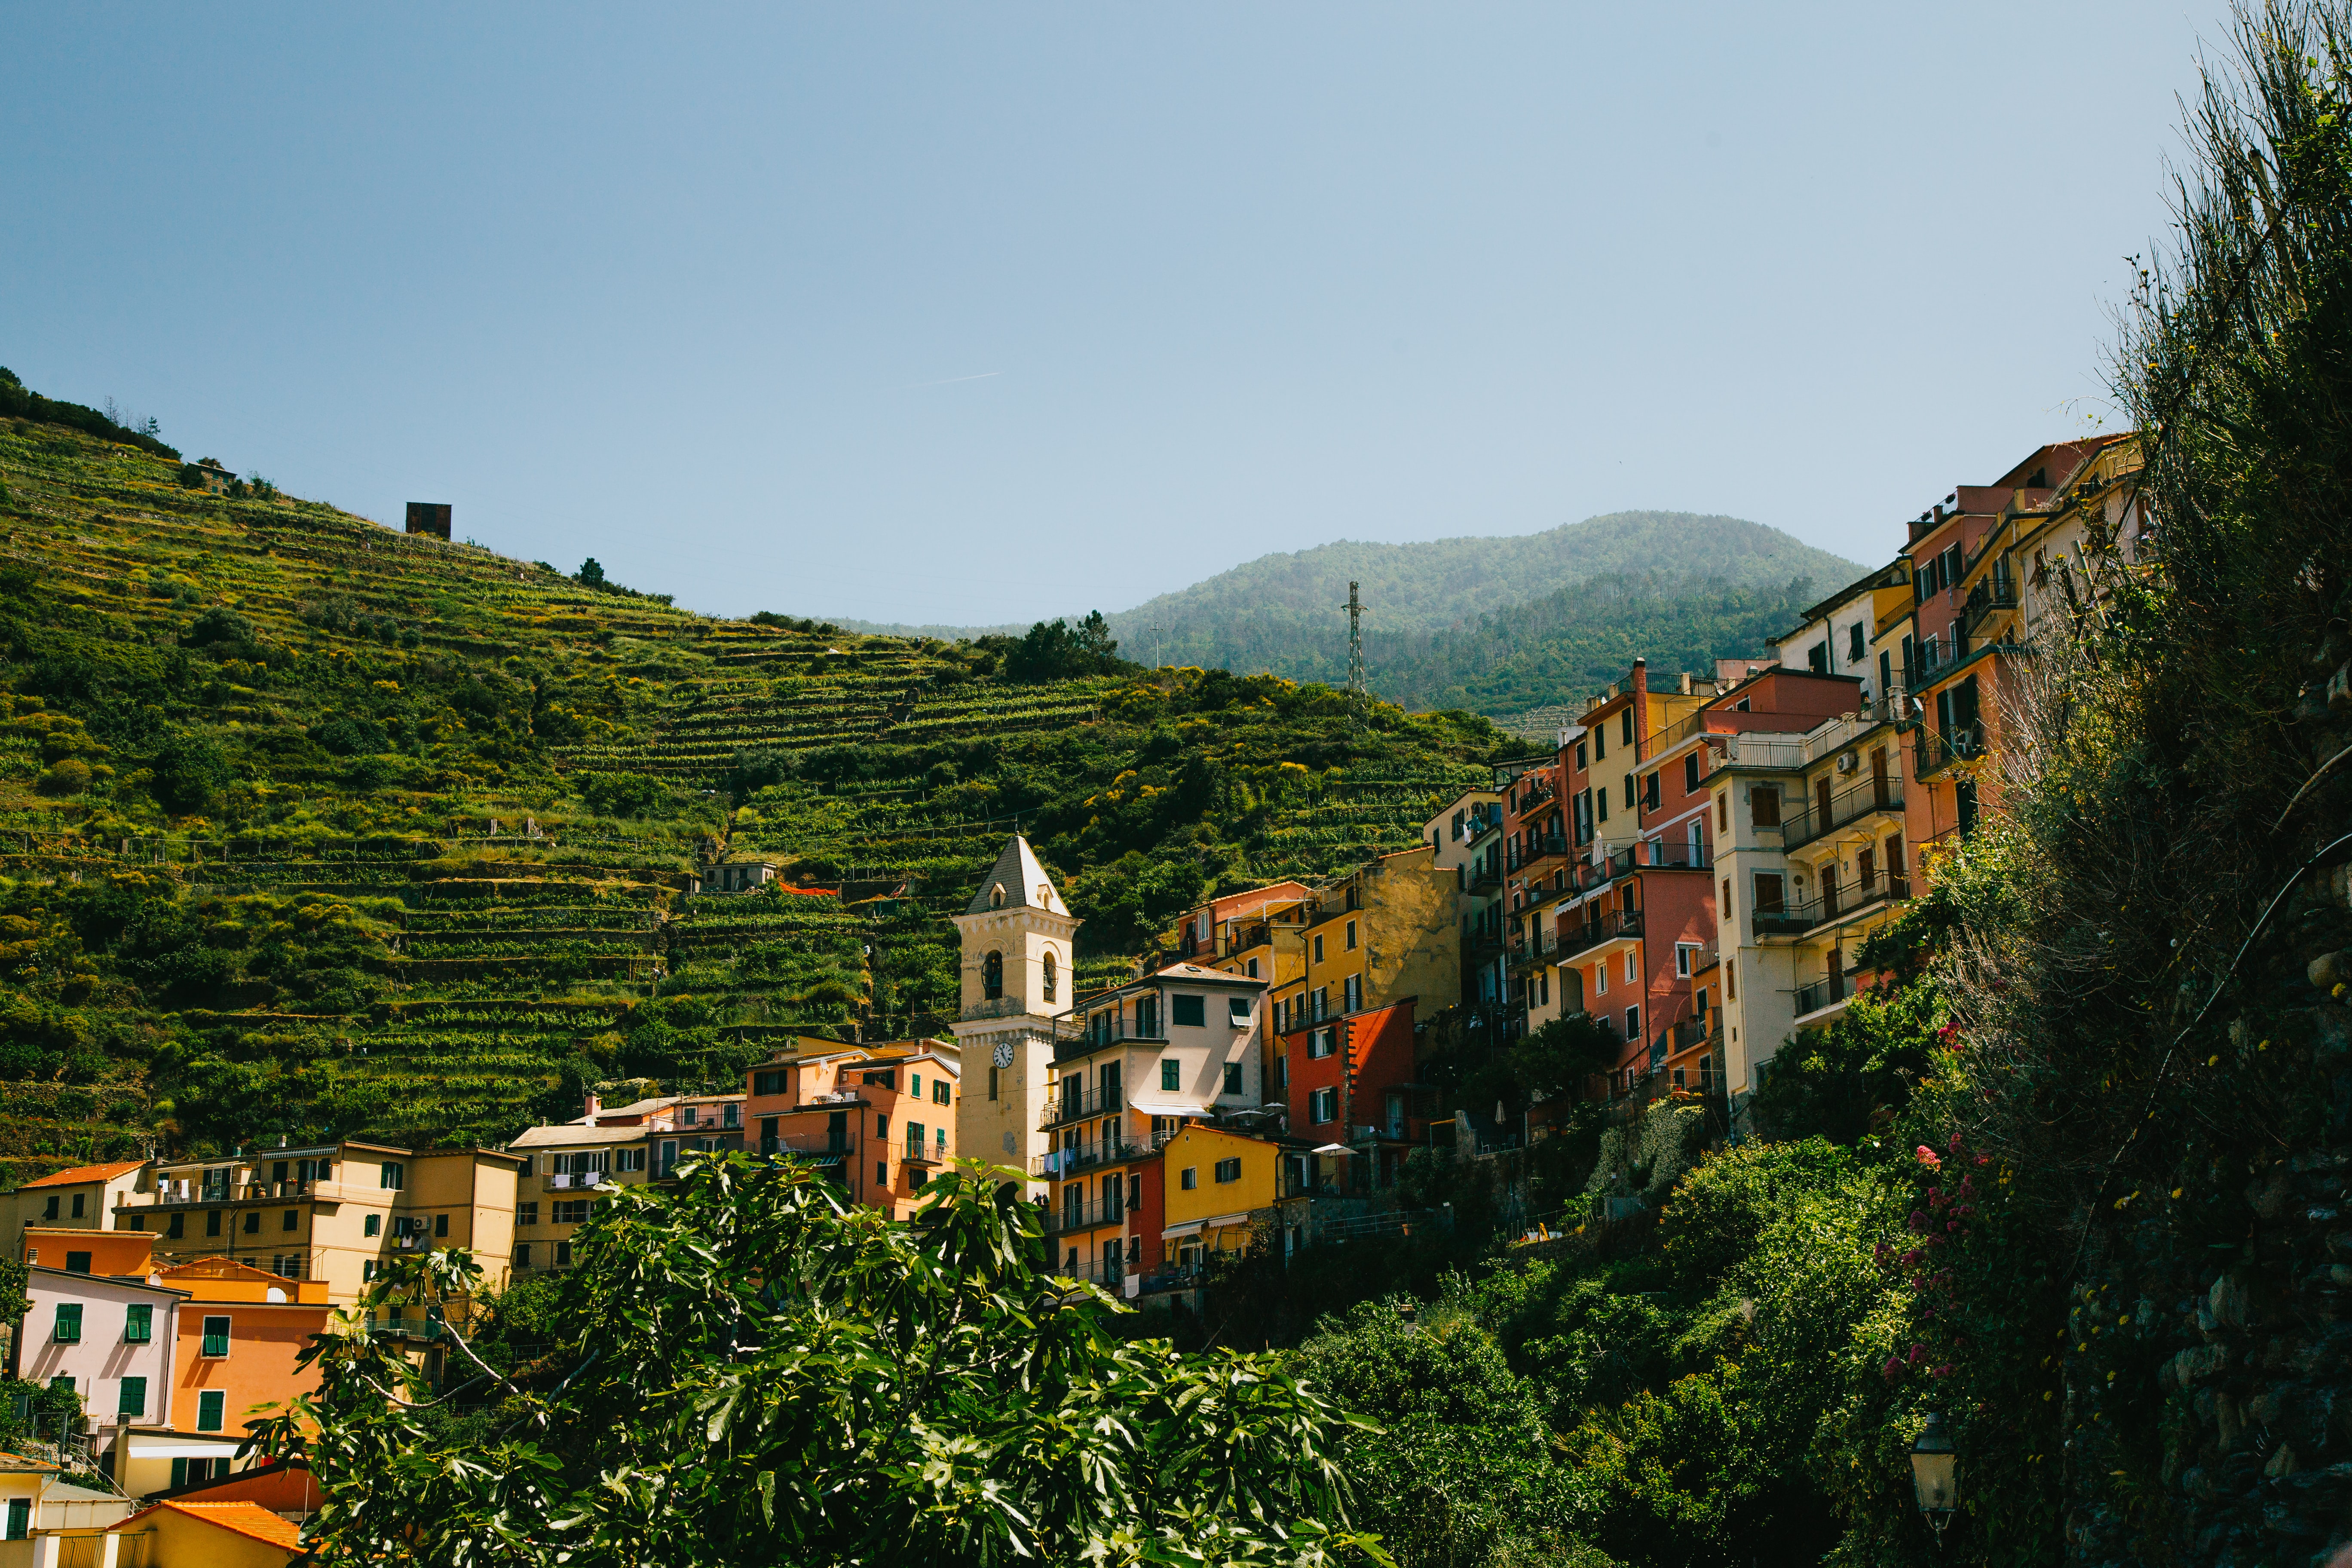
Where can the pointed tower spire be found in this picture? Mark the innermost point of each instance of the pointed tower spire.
(1017, 937)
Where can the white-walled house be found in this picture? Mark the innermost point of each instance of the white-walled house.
(111, 1335)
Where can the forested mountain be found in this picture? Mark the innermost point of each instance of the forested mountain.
(1497, 626)
(308, 827)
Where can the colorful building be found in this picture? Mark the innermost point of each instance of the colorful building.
(881, 1119)
(1016, 985)
(83, 1198)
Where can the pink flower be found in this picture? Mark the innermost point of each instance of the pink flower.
(1911, 1257)
(1892, 1369)
(1965, 1210)
(1951, 1225)
(1956, 1143)
(1984, 1159)
(1944, 1371)
(1918, 1354)
(1928, 1157)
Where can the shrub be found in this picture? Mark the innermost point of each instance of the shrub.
(70, 775)
(190, 770)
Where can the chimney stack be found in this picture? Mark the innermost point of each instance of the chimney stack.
(1641, 709)
(592, 1107)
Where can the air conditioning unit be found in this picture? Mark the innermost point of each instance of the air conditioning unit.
(1848, 763)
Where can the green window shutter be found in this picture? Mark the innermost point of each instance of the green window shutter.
(20, 1517)
(212, 1410)
(179, 1472)
(69, 1331)
(215, 1336)
(134, 1400)
(139, 1324)
(1168, 1073)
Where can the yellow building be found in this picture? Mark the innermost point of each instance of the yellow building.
(1384, 932)
(335, 1212)
(84, 1197)
(1015, 936)
(1217, 1186)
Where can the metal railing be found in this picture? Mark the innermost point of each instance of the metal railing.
(1995, 594)
(1072, 1158)
(1937, 750)
(1880, 791)
(1076, 1104)
(1795, 920)
(1068, 1216)
(1616, 924)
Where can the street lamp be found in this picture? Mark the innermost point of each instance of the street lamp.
(1935, 1475)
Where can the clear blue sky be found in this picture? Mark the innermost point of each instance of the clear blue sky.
(980, 313)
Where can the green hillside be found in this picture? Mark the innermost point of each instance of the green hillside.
(1487, 623)
(309, 827)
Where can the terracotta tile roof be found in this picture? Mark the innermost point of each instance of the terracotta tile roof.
(250, 1520)
(17, 1464)
(85, 1174)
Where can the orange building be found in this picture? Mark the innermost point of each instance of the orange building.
(241, 1332)
(880, 1119)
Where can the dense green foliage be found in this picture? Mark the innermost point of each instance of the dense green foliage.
(894, 1393)
(16, 402)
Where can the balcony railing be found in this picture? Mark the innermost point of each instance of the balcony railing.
(1880, 791)
(407, 1328)
(1648, 854)
(1074, 1104)
(809, 1146)
(1543, 848)
(1938, 657)
(1795, 920)
(1995, 594)
(1937, 750)
(1614, 925)
(1072, 1158)
(1066, 1216)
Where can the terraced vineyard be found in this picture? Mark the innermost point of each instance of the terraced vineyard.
(307, 827)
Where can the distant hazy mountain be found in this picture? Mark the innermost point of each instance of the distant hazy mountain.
(1487, 623)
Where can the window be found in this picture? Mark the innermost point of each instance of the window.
(628, 1159)
(882, 1124)
(1189, 1178)
(527, 1214)
(1233, 1078)
(940, 1091)
(213, 1223)
(1723, 813)
(992, 1082)
(1723, 909)
(1237, 1008)
(1322, 1043)
(440, 1224)
(1052, 972)
(371, 1226)
(1600, 747)
(1855, 652)
(1169, 1073)
(1632, 1022)
(1188, 1012)
(290, 1220)
(1282, 1071)
(1322, 1001)
(523, 1255)
(216, 1337)
(915, 1084)
(367, 1268)
(1351, 994)
(1731, 980)
(252, 1226)
(138, 1323)
(1600, 978)
(1600, 804)
(20, 1517)
(1250, 969)
(76, 1262)
(563, 1255)
(769, 1082)
(1323, 1105)
(1228, 1169)
(69, 1323)
(1686, 955)
(131, 1401)
(1352, 947)
(77, 1201)
(991, 970)
(212, 1410)
(390, 1176)
(1690, 773)
(1543, 988)
(1318, 949)
(914, 1140)
(1629, 792)
(49, 1211)
(1631, 974)
(1768, 893)
(1764, 805)
(881, 1172)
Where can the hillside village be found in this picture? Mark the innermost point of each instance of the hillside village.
(1305, 1058)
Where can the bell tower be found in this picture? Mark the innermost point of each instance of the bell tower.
(1017, 980)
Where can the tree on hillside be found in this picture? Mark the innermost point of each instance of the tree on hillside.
(747, 1370)
(1055, 650)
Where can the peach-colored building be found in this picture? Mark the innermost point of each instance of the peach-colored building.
(880, 1118)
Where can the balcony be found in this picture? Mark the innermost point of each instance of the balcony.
(1818, 817)
(1094, 1211)
(1795, 920)
(1937, 658)
(1615, 926)
(1648, 855)
(405, 1328)
(816, 1149)
(1486, 875)
(1075, 1104)
(1821, 993)
(1987, 599)
(1937, 750)
(1072, 1158)
(1544, 847)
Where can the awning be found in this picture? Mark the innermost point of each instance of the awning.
(1219, 1222)
(1178, 1232)
(1332, 1149)
(182, 1451)
(1167, 1105)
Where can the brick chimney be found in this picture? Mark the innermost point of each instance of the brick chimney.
(1640, 709)
(592, 1107)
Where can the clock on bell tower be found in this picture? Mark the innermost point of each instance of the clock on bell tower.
(1016, 981)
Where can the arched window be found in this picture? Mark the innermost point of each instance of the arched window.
(992, 976)
(996, 897)
(1049, 974)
